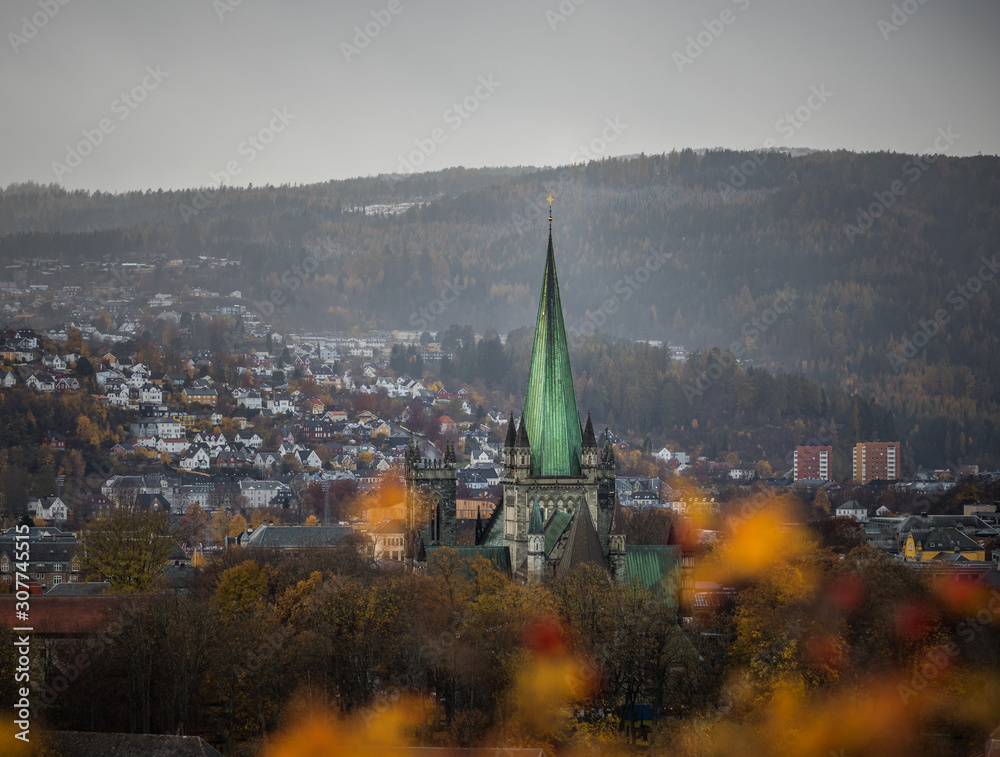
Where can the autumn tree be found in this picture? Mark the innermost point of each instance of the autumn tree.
(193, 528)
(822, 501)
(88, 432)
(128, 547)
(237, 526)
(221, 521)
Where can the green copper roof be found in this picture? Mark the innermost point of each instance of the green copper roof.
(656, 567)
(550, 402)
(555, 527)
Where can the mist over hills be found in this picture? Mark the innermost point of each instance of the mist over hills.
(871, 272)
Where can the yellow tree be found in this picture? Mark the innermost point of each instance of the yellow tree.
(237, 526)
(241, 589)
(87, 431)
(221, 522)
(129, 547)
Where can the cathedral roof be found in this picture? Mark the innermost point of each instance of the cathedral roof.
(553, 420)
(656, 567)
(583, 544)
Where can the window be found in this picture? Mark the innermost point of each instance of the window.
(5, 566)
(56, 579)
(72, 578)
(40, 576)
(60, 567)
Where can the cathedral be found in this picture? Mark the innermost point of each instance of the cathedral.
(558, 508)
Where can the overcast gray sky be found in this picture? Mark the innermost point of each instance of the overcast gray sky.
(180, 87)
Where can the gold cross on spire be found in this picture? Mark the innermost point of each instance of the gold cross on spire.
(551, 200)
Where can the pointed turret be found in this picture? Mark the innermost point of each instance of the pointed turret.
(618, 520)
(550, 401)
(617, 557)
(535, 562)
(589, 440)
(522, 435)
(511, 433)
(535, 526)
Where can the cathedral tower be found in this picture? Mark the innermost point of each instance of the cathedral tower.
(553, 465)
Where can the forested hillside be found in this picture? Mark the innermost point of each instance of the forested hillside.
(684, 248)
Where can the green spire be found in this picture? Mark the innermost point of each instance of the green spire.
(550, 401)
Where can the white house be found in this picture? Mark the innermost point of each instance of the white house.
(250, 439)
(260, 493)
(150, 394)
(51, 509)
(851, 509)
(267, 461)
(248, 398)
(309, 458)
(196, 459)
(280, 402)
(173, 446)
(54, 362)
(211, 440)
(117, 392)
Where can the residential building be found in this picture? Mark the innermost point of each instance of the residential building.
(260, 493)
(812, 462)
(875, 461)
(52, 556)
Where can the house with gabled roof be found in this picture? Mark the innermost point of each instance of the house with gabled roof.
(197, 458)
(54, 440)
(200, 395)
(150, 394)
(67, 384)
(309, 458)
(267, 461)
(942, 544)
(250, 439)
(51, 509)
